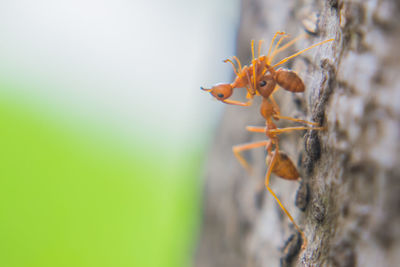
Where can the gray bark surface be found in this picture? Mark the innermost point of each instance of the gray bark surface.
(351, 170)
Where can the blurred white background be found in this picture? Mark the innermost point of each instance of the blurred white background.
(135, 66)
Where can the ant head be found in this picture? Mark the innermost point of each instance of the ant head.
(220, 91)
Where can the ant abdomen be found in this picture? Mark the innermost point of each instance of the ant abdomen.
(289, 81)
(284, 167)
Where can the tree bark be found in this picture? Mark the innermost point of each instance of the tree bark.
(350, 192)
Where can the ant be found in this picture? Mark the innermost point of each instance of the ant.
(277, 161)
(250, 76)
(261, 78)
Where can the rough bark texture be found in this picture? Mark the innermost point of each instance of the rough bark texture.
(351, 170)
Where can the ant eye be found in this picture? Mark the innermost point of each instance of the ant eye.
(262, 83)
(220, 95)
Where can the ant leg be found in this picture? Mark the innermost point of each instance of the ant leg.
(238, 103)
(250, 96)
(296, 120)
(279, 42)
(272, 42)
(285, 46)
(252, 50)
(253, 89)
(289, 129)
(276, 50)
(259, 47)
(238, 63)
(300, 52)
(253, 62)
(233, 65)
(238, 148)
(267, 178)
(256, 129)
(254, 75)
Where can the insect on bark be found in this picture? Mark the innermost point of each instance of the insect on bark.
(262, 79)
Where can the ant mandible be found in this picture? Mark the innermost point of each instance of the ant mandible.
(249, 76)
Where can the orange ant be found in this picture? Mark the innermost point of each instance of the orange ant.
(261, 78)
(277, 161)
(250, 76)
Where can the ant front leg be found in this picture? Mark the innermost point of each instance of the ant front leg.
(239, 65)
(239, 148)
(238, 103)
(223, 91)
(234, 67)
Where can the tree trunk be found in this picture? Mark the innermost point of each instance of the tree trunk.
(351, 170)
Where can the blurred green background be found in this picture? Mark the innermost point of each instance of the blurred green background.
(103, 128)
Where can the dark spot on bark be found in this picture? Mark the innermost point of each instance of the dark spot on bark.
(300, 160)
(318, 210)
(312, 147)
(291, 249)
(345, 209)
(302, 196)
(356, 168)
(382, 17)
(327, 86)
(259, 199)
(333, 3)
(388, 224)
(308, 165)
(298, 101)
(355, 14)
(353, 35)
(343, 255)
(378, 77)
(384, 234)
(245, 226)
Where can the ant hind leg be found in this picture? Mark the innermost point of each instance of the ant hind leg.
(271, 164)
(238, 63)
